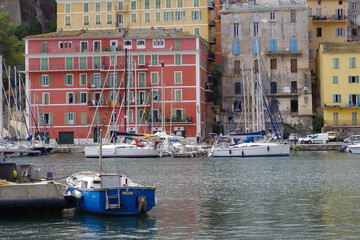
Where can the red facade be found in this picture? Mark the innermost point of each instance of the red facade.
(73, 78)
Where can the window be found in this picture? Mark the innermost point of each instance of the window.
(68, 79)
(273, 63)
(311, 54)
(46, 98)
(67, 7)
(83, 79)
(177, 59)
(178, 95)
(158, 43)
(310, 36)
(97, 19)
(196, 15)
(158, 4)
(67, 20)
(97, 46)
(142, 79)
(156, 95)
(294, 106)
(121, 5)
(337, 98)
(272, 31)
(47, 119)
(86, 7)
(70, 118)
(354, 6)
(309, 12)
(318, 12)
(236, 18)
(108, 18)
(255, 17)
(154, 78)
(292, 29)
(354, 32)
(128, 44)
(335, 80)
(142, 98)
(147, 4)
(353, 100)
(158, 16)
(96, 80)
(237, 88)
(319, 2)
(272, 45)
(96, 62)
(109, 6)
(83, 63)
(44, 64)
(236, 31)
(293, 16)
(273, 87)
(141, 59)
(340, 2)
(82, 97)
(340, 32)
(83, 46)
(353, 79)
(140, 44)
(168, 16)
(45, 80)
(44, 47)
(133, 17)
(336, 118)
(318, 32)
(113, 60)
(293, 65)
(255, 30)
(97, 7)
(168, 3)
(69, 62)
(352, 62)
(236, 66)
(179, 15)
(83, 118)
(70, 98)
(147, 17)
(196, 31)
(272, 16)
(86, 20)
(335, 63)
(154, 60)
(180, 3)
(178, 77)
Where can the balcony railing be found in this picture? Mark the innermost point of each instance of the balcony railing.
(349, 123)
(212, 23)
(211, 57)
(185, 119)
(330, 18)
(211, 5)
(283, 52)
(340, 105)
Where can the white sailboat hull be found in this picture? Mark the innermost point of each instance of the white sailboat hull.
(116, 151)
(355, 149)
(253, 150)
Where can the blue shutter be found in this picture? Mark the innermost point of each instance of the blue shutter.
(349, 79)
(350, 102)
(236, 47)
(293, 45)
(255, 46)
(334, 98)
(273, 45)
(339, 97)
(357, 79)
(358, 99)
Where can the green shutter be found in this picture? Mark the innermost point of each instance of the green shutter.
(137, 98)
(92, 80)
(51, 118)
(200, 15)
(44, 47)
(183, 113)
(78, 97)
(72, 80)
(349, 79)
(65, 79)
(102, 80)
(146, 98)
(83, 118)
(66, 118)
(40, 81)
(74, 118)
(177, 44)
(49, 80)
(192, 15)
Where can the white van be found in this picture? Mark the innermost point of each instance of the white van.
(315, 138)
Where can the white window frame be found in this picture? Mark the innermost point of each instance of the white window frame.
(128, 46)
(67, 16)
(195, 29)
(82, 94)
(65, 6)
(96, 41)
(44, 118)
(71, 118)
(44, 98)
(68, 97)
(43, 80)
(272, 16)
(180, 77)
(196, 15)
(67, 79)
(88, 22)
(176, 92)
(159, 43)
(98, 15)
(82, 74)
(179, 16)
(133, 20)
(340, 32)
(157, 76)
(147, 13)
(107, 22)
(140, 46)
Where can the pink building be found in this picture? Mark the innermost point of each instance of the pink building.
(76, 79)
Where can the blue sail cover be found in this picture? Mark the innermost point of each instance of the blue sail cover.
(128, 134)
(259, 133)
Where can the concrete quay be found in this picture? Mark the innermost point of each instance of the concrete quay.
(331, 146)
(64, 148)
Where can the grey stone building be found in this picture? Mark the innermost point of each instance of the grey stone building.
(278, 31)
(353, 20)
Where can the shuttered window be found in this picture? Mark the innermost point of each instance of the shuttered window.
(293, 65)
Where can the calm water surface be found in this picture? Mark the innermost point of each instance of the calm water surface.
(309, 195)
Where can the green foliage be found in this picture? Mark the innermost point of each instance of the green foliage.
(28, 28)
(11, 48)
(318, 123)
(217, 128)
(51, 27)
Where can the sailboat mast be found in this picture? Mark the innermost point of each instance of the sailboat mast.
(126, 64)
(243, 84)
(136, 99)
(113, 118)
(162, 98)
(16, 106)
(252, 98)
(1, 101)
(21, 125)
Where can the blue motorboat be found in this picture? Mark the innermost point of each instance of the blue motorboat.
(110, 194)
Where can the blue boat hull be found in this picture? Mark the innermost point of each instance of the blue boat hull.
(95, 200)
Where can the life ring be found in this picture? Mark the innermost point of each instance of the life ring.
(305, 88)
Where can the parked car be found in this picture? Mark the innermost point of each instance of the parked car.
(293, 137)
(353, 138)
(342, 137)
(315, 138)
(332, 136)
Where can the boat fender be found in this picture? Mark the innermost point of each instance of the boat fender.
(142, 204)
(268, 148)
(114, 150)
(242, 153)
(77, 194)
(230, 151)
(156, 201)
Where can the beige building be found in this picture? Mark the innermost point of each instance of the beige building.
(272, 36)
(353, 20)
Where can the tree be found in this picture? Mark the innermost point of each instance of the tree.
(40, 15)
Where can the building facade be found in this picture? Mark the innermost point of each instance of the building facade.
(193, 16)
(271, 36)
(77, 80)
(353, 20)
(327, 23)
(338, 72)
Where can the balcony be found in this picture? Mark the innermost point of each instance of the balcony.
(283, 52)
(211, 57)
(212, 41)
(95, 103)
(212, 23)
(339, 105)
(332, 18)
(124, 9)
(211, 5)
(343, 123)
(185, 119)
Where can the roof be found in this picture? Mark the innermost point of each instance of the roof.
(125, 33)
(265, 6)
(345, 47)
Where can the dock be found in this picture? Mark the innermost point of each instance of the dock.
(331, 146)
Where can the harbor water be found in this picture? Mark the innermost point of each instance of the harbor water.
(309, 195)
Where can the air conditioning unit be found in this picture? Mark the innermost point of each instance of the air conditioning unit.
(107, 49)
(118, 49)
(287, 50)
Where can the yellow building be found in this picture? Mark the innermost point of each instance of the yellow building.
(338, 70)
(327, 23)
(193, 16)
